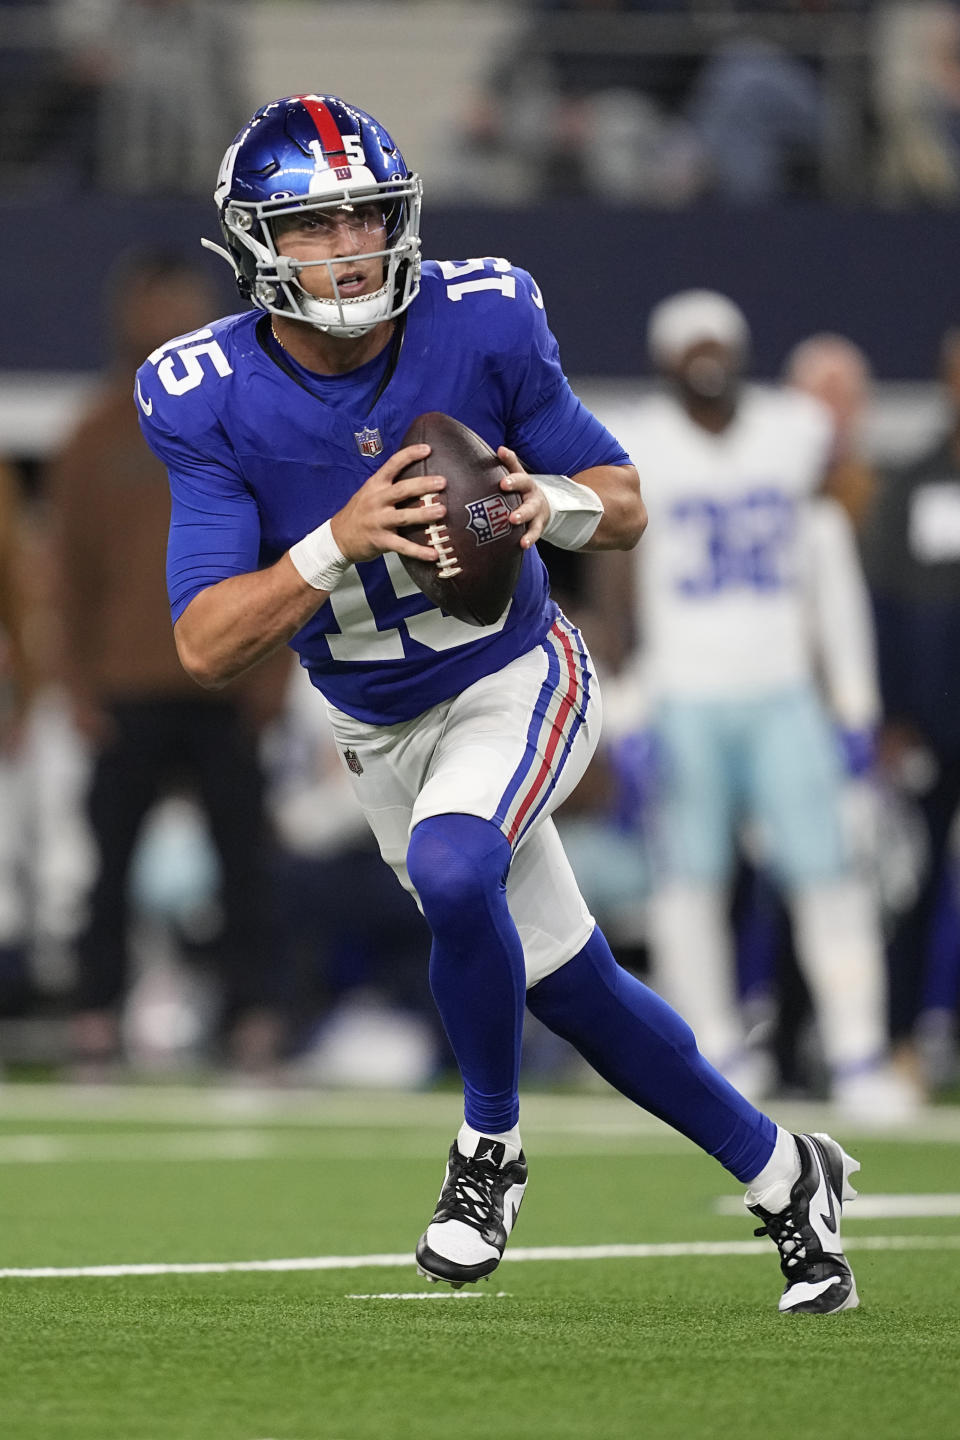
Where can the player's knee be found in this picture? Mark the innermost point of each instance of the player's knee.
(456, 863)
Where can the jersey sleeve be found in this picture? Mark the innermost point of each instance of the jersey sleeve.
(214, 519)
(551, 430)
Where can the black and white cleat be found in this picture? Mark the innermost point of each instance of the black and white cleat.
(807, 1233)
(478, 1206)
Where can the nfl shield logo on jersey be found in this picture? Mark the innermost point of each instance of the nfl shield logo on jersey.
(353, 761)
(489, 518)
(368, 442)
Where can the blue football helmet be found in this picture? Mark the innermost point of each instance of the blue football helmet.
(317, 153)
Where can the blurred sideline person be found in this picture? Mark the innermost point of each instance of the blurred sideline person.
(912, 558)
(151, 728)
(280, 428)
(747, 585)
(837, 372)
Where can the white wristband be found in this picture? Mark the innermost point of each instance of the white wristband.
(575, 511)
(319, 559)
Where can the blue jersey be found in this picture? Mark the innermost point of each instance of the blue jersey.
(258, 457)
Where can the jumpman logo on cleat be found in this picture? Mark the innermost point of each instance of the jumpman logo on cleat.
(494, 1154)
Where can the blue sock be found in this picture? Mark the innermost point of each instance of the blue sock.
(641, 1046)
(459, 864)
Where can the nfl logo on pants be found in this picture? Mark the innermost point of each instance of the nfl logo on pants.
(353, 761)
(368, 442)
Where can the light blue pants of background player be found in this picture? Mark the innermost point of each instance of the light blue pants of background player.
(774, 759)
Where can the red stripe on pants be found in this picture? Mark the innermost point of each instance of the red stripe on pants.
(556, 733)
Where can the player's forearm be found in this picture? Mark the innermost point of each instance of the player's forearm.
(232, 625)
(624, 516)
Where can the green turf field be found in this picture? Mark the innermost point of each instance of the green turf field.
(654, 1343)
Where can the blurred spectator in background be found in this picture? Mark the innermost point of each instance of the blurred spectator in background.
(15, 689)
(758, 112)
(912, 556)
(581, 112)
(837, 373)
(608, 97)
(150, 726)
(740, 568)
(125, 95)
(149, 87)
(586, 106)
(26, 63)
(917, 96)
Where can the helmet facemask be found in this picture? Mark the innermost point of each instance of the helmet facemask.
(272, 281)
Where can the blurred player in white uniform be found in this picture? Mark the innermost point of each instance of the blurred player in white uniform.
(749, 594)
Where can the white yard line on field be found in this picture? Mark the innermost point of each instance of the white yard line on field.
(585, 1113)
(261, 1106)
(668, 1250)
(190, 1145)
(276, 1144)
(872, 1207)
(434, 1295)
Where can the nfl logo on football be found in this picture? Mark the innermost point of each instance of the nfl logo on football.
(368, 442)
(489, 518)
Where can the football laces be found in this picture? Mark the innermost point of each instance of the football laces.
(438, 535)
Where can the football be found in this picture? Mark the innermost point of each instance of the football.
(478, 550)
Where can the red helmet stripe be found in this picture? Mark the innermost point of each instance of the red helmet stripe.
(330, 137)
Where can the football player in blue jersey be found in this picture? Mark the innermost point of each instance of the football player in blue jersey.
(281, 428)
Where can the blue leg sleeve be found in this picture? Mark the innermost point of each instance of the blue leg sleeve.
(641, 1046)
(459, 864)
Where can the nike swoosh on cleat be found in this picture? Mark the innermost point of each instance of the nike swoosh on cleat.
(830, 1219)
(145, 405)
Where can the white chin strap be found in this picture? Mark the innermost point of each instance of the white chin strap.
(348, 317)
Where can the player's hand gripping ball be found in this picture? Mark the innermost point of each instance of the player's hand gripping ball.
(478, 550)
